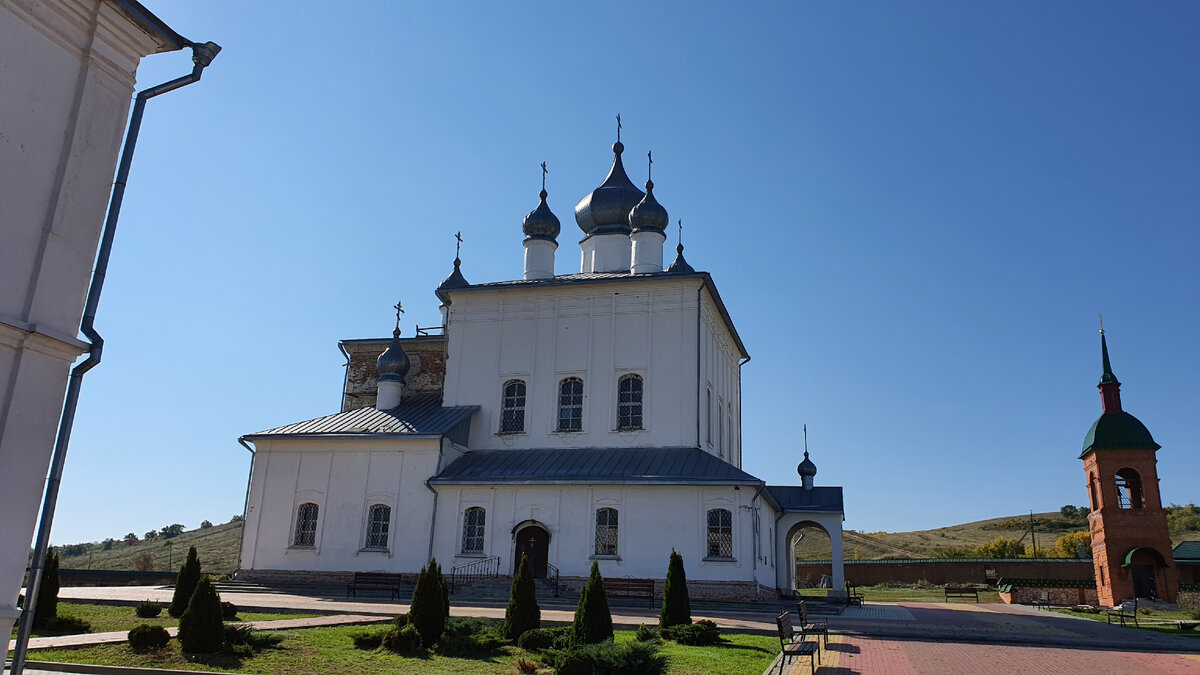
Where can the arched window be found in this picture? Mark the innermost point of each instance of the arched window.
(473, 522)
(606, 532)
(1129, 489)
(1095, 503)
(512, 408)
(378, 519)
(720, 533)
(570, 404)
(306, 525)
(629, 402)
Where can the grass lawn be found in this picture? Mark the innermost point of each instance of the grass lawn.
(105, 618)
(1145, 621)
(889, 594)
(329, 650)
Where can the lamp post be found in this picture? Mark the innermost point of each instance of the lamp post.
(170, 555)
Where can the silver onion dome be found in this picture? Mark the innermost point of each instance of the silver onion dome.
(606, 209)
(393, 363)
(649, 214)
(806, 469)
(541, 223)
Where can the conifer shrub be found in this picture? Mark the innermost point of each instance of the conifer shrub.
(368, 638)
(46, 608)
(676, 605)
(523, 613)
(593, 621)
(185, 584)
(229, 611)
(145, 637)
(201, 630)
(441, 578)
(646, 633)
(633, 658)
(470, 636)
(406, 640)
(539, 639)
(703, 632)
(427, 611)
(147, 609)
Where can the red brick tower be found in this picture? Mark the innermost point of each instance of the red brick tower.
(1131, 548)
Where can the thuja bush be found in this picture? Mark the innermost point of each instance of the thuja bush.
(406, 640)
(201, 630)
(634, 658)
(185, 584)
(427, 613)
(46, 608)
(228, 611)
(145, 637)
(470, 636)
(646, 633)
(676, 605)
(703, 632)
(545, 638)
(523, 613)
(593, 621)
(147, 609)
(368, 638)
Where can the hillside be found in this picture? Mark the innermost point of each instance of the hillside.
(217, 547)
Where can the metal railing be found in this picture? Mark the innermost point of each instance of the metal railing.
(552, 578)
(469, 573)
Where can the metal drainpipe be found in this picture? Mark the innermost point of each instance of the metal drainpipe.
(754, 516)
(202, 55)
(245, 504)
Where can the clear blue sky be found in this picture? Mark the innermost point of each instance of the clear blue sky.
(914, 212)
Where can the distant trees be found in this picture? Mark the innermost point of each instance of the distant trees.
(131, 539)
(152, 534)
(237, 518)
(1068, 545)
(205, 524)
(1001, 547)
(144, 563)
(173, 530)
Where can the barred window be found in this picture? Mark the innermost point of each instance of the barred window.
(570, 404)
(473, 521)
(720, 534)
(377, 526)
(512, 407)
(629, 402)
(1129, 489)
(606, 532)
(306, 525)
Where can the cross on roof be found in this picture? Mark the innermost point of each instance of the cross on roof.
(618, 127)
(650, 165)
(458, 246)
(544, 172)
(399, 310)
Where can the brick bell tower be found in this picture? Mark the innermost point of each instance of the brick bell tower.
(1131, 549)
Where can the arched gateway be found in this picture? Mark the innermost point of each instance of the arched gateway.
(805, 506)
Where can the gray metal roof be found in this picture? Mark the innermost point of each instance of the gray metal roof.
(609, 277)
(1187, 552)
(819, 499)
(646, 466)
(418, 414)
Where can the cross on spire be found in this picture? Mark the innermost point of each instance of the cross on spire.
(650, 163)
(618, 127)
(399, 310)
(458, 246)
(544, 172)
(805, 440)
(1102, 324)
(680, 223)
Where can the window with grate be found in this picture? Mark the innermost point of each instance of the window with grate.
(473, 522)
(606, 532)
(512, 408)
(378, 519)
(306, 525)
(629, 402)
(570, 404)
(1129, 489)
(720, 533)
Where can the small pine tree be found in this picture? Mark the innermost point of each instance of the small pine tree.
(427, 612)
(523, 613)
(185, 584)
(444, 586)
(676, 605)
(593, 621)
(201, 630)
(46, 609)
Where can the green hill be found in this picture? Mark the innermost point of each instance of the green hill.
(217, 547)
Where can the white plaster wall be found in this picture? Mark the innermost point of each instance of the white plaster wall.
(785, 577)
(596, 332)
(720, 396)
(66, 79)
(652, 521)
(344, 478)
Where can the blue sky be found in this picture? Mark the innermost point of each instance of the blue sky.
(914, 213)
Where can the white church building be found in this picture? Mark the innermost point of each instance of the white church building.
(572, 418)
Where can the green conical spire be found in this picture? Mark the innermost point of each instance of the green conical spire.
(1107, 377)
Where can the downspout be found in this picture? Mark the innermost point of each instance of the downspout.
(754, 514)
(246, 504)
(699, 377)
(202, 55)
(436, 470)
(740, 364)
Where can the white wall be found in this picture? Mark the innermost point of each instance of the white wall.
(720, 414)
(67, 75)
(652, 520)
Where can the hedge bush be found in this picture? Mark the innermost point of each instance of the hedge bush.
(147, 609)
(144, 637)
(646, 633)
(470, 636)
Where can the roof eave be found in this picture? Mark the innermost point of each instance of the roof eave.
(582, 481)
(166, 37)
(355, 436)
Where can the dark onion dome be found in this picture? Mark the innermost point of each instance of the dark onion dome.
(606, 209)
(541, 223)
(806, 468)
(649, 214)
(455, 280)
(1118, 430)
(393, 363)
(679, 265)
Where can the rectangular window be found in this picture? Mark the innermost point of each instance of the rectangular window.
(473, 522)
(720, 534)
(377, 526)
(570, 404)
(306, 525)
(708, 414)
(629, 403)
(512, 408)
(606, 532)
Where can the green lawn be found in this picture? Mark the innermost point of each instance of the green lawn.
(329, 650)
(1150, 621)
(105, 618)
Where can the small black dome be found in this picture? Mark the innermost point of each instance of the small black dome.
(393, 363)
(541, 223)
(649, 214)
(456, 278)
(806, 468)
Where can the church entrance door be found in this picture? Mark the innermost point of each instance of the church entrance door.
(1143, 581)
(533, 541)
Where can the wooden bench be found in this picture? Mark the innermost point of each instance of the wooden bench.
(853, 597)
(962, 592)
(790, 647)
(632, 588)
(814, 627)
(1121, 615)
(375, 580)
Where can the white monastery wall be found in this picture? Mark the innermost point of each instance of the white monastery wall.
(595, 332)
(721, 386)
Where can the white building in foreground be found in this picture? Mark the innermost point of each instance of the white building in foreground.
(590, 416)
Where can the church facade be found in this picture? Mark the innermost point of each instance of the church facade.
(571, 418)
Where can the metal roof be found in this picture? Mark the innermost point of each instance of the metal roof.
(549, 466)
(796, 498)
(1187, 552)
(418, 414)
